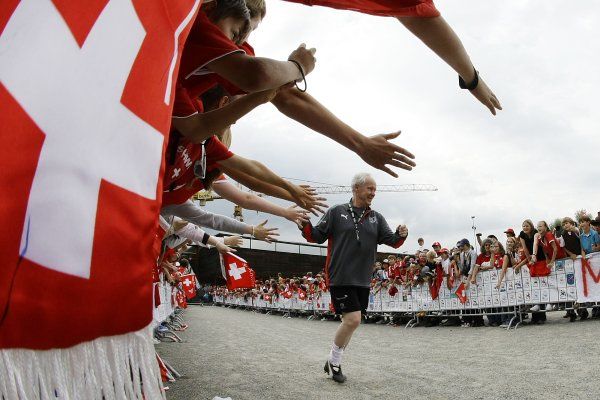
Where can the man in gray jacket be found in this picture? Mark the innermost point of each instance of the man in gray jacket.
(353, 230)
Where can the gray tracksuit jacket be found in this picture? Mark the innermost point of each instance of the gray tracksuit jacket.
(349, 261)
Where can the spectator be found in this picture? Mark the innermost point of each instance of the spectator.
(497, 255)
(421, 243)
(436, 247)
(570, 236)
(545, 238)
(590, 239)
(509, 233)
(467, 257)
(482, 263)
(527, 238)
(382, 271)
(514, 258)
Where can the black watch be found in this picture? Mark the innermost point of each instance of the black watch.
(471, 86)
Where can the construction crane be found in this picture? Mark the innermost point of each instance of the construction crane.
(208, 195)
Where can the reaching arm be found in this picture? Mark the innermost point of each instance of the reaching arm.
(196, 234)
(251, 201)
(525, 250)
(505, 264)
(201, 126)
(253, 74)
(376, 151)
(259, 171)
(200, 217)
(441, 38)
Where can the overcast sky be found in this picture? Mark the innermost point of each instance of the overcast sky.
(533, 160)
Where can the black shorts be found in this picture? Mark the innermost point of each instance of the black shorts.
(347, 299)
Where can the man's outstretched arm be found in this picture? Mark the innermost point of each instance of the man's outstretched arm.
(441, 38)
(377, 151)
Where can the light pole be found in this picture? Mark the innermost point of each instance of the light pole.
(474, 232)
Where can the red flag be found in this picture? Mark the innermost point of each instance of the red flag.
(393, 8)
(461, 293)
(237, 272)
(301, 294)
(287, 294)
(539, 268)
(180, 298)
(68, 196)
(436, 283)
(188, 282)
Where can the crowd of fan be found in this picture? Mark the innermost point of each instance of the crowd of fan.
(534, 247)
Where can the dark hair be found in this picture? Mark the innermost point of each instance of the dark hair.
(211, 98)
(220, 9)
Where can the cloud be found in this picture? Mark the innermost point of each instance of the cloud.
(537, 159)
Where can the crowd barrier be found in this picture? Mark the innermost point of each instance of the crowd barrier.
(166, 306)
(570, 281)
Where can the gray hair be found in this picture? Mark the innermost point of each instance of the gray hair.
(360, 179)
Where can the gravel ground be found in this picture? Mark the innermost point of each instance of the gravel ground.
(245, 355)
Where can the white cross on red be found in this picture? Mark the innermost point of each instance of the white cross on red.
(236, 272)
(73, 94)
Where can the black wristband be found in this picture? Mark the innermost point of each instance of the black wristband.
(205, 238)
(303, 76)
(471, 86)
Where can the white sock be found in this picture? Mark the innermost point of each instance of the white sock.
(335, 355)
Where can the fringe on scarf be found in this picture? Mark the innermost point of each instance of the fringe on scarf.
(115, 367)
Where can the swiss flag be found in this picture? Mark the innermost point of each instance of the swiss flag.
(461, 293)
(436, 283)
(301, 295)
(180, 299)
(395, 8)
(287, 294)
(188, 282)
(237, 272)
(82, 147)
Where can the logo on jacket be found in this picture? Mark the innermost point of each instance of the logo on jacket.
(373, 219)
(344, 215)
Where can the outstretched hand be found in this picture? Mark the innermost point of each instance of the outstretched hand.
(261, 232)
(222, 248)
(486, 97)
(294, 213)
(379, 152)
(306, 197)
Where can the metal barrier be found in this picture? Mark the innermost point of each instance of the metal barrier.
(569, 282)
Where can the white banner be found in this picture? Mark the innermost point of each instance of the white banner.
(587, 277)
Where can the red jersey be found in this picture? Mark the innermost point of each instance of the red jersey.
(546, 241)
(394, 271)
(183, 172)
(205, 44)
(498, 261)
(482, 258)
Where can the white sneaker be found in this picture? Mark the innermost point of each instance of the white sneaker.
(549, 307)
(504, 326)
(535, 308)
